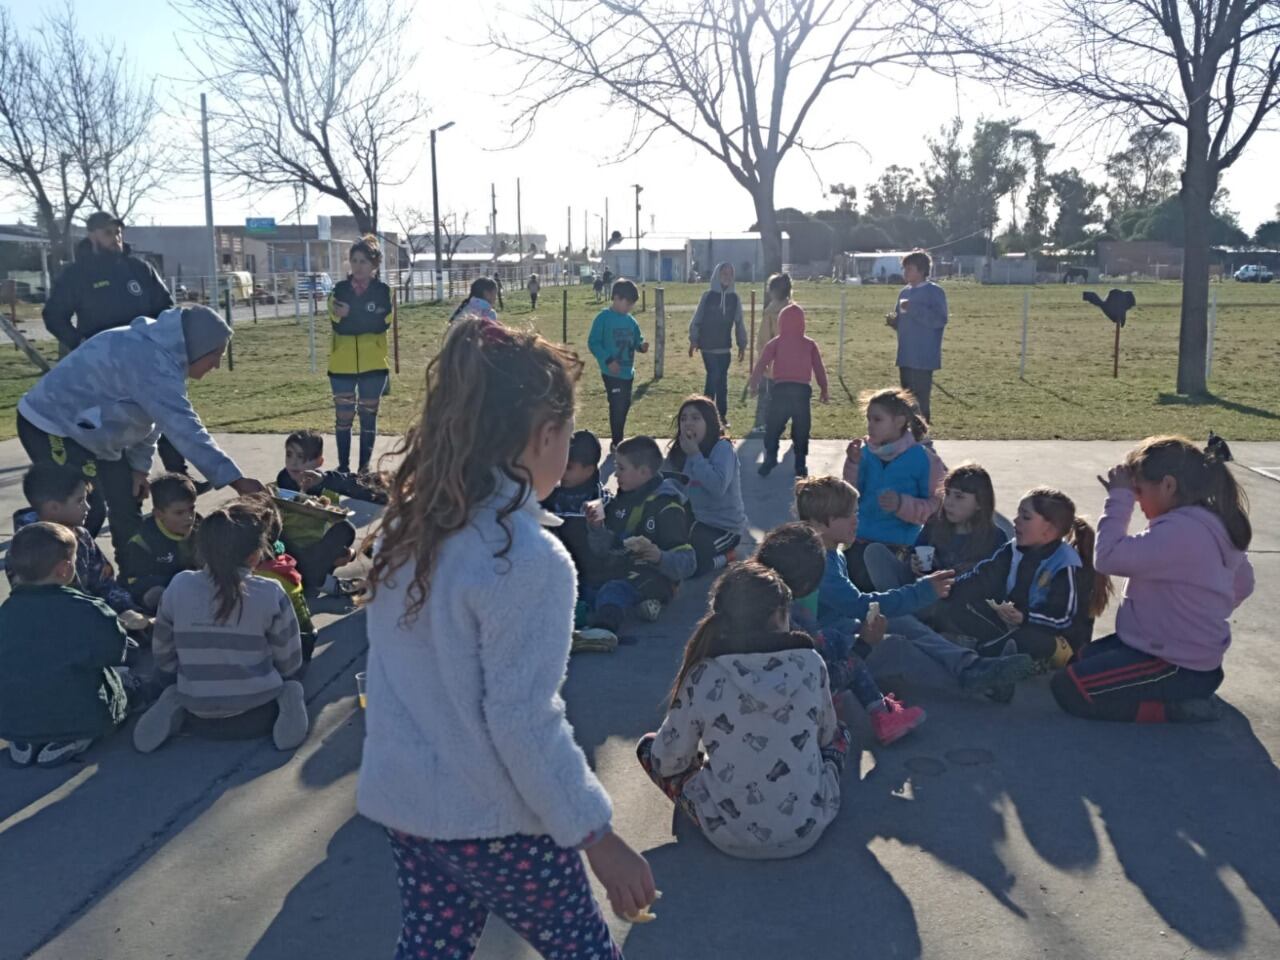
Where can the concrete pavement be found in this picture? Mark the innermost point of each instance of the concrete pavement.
(994, 831)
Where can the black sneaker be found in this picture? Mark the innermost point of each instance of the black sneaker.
(60, 751)
(997, 675)
(202, 487)
(802, 469)
(22, 753)
(766, 468)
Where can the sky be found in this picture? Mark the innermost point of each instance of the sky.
(566, 164)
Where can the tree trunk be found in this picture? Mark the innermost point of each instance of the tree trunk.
(770, 232)
(1198, 184)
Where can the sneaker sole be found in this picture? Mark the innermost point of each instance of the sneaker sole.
(904, 731)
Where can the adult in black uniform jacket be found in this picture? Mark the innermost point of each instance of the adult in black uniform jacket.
(105, 287)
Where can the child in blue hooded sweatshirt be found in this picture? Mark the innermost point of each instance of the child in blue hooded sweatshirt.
(614, 341)
(716, 322)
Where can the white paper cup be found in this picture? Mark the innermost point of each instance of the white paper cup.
(925, 556)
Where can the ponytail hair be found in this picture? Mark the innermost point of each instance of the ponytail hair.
(1202, 476)
(368, 245)
(1060, 510)
(227, 538)
(482, 288)
(743, 601)
(487, 391)
(778, 288)
(899, 402)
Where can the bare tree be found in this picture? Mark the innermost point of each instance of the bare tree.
(308, 92)
(75, 124)
(1210, 68)
(738, 78)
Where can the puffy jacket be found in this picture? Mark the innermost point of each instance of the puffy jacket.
(359, 340)
(914, 510)
(718, 318)
(117, 393)
(103, 291)
(794, 357)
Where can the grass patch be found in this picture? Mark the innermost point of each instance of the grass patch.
(1068, 391)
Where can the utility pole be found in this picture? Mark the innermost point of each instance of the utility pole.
(606, 221)
(493, 221)
(569, 230)
(639, 265)
(519, 234)
(435, 210)
(586, 234)
(208, 199)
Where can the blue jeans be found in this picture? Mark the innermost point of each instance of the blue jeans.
(613, 600)
(717, 382)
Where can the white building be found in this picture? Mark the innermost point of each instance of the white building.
(676, 257)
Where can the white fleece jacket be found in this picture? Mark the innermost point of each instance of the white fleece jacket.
(466, 735)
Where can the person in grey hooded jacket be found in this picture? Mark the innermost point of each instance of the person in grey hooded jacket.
(716, 322)
(102, 408)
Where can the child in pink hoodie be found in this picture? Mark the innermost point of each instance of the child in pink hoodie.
(1187, 572)
(796, 360)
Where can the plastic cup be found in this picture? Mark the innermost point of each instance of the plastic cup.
(925, 556)
(903, 305)
(360, 683)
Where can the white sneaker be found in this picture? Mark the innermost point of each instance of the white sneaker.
(649, 610)
(160, 722)
(292, 723)
(22, 753)
(57, 753)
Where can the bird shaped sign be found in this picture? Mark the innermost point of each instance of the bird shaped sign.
(1116, 308)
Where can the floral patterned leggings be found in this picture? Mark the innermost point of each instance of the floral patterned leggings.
(448, 889)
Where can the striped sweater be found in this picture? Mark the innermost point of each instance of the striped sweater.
(224, 669)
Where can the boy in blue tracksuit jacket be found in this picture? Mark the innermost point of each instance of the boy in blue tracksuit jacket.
(614, 341)
(830, 505)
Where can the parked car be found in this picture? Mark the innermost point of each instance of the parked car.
(316, 285)
(1254, 273)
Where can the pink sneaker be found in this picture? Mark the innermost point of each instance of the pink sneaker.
(895, 721)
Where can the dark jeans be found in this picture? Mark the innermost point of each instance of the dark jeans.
(1113, 681)
(789, 401)
(112, 481)
(717, 383)
(618, 392)
(533, 300)
(708, 543)
(317, 561)
(173, 461)
(352, 393)
(919, 382)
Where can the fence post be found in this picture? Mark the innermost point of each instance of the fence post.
(644, 299)
(1213, 329)
(275, 293)
(751, 343)
(660, 331)
(231, 348)
(564, 315)
(844, 309)
(311, 333)
(297, 297)
(253, 295)
(395, 327)
(1026, 315)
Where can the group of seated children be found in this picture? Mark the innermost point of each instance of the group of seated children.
(751, 748)
(672, 518)
(231, 624)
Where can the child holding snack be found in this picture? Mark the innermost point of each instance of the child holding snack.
(579, 486)
(59, 689)
(898, 478)
(468, 759)
(226, 644)
(164, 545)
(750, 748)
(704, 458)
(1187, 571)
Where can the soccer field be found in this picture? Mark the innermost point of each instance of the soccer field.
(1068, 391)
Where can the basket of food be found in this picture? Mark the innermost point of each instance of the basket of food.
(317, 508)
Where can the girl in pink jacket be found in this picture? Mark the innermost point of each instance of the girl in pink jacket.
(796, 361)
(1187, 572)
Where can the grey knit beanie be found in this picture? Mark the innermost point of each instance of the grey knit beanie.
(204, 331)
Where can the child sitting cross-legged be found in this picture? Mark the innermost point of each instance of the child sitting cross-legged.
(750, 748)
(704, 458)
(795, 552)
(226, 643)
(164, 545)
(321, 546)
(579, 486)
(640, 543)
(60, 495)
(59, 690)
(831, 506)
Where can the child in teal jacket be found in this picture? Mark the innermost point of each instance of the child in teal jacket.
(614, 341)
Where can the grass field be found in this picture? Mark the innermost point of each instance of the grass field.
(1068, 391)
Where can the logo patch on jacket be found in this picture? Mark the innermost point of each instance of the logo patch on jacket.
(1044, 580)
(371, 307)
(135, 288)
(651, 525)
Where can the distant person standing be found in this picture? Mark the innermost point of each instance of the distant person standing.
(716, 322)
(919, 318)
(107, 287)
(533, 286)
(497, 282)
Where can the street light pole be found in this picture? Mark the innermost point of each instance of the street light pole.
(639, 266)
(435, 209)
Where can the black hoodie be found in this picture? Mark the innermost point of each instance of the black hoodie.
(103, 291)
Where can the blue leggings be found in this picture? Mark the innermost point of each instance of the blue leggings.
(448, 888)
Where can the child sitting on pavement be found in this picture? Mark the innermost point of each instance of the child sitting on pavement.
(795, 552)
(59, 689)
(164, 545)
(750, 748)
(60, 495)
(226, 644)
(707, 466)
(830, 505)
(579, 486)
(276, 564)
(640, 543)
(321, 546)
